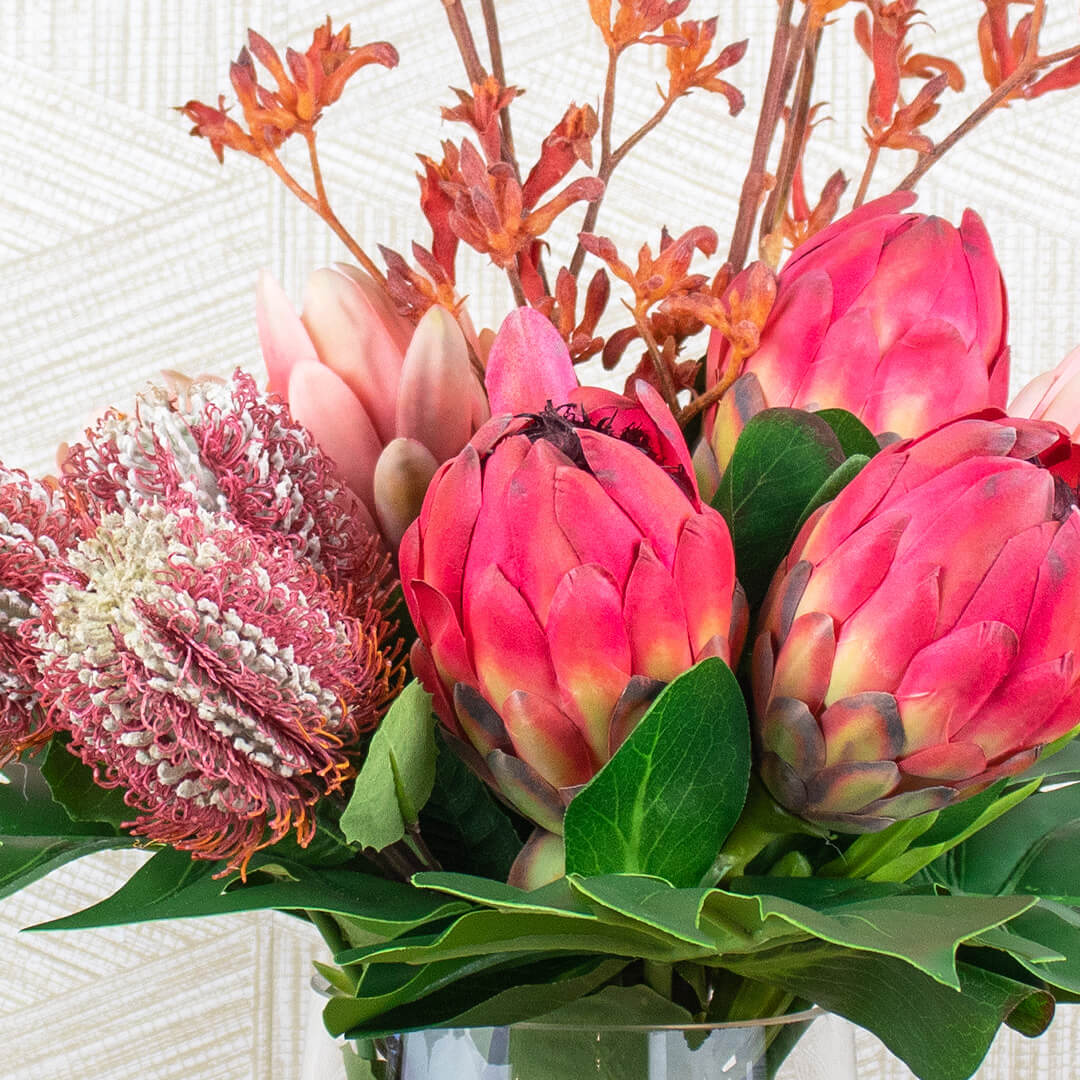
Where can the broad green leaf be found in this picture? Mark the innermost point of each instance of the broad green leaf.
(855, 437)
(921, 930)
(37, 836)
(940, 1033)
(1034, 838)
(72, 785)
(1056, 928)
(385, 987)
(651, 902)
(665, 802)
(463, 825)
(397, 775)
(780, 462)
(487, 932)
(506, 994)
(554, 899)
(172, 885)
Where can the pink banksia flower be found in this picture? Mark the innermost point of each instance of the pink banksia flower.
(226, 447)
(900, 318)
(36, 529)
(562, 570)
(386, 401)
(920, 640)
(219, 681)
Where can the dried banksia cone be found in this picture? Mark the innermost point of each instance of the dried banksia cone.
(35, 531)
(227, 447)
(220, 681)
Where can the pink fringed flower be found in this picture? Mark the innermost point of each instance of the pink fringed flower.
(220, 681)
(35, 531)
(227, 448)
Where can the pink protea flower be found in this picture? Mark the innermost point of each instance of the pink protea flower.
(387, 402)
(920, 640)
(36, 529)
(218, 680)
(563, 568)
(226, 447)
(899, 318)
(1053, 395)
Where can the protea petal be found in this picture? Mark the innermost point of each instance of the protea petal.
(320, 401)
(704, 573)
(529, 365)
(790, 731)
(433, 396)
(655, 619)
(804, 664)
(282, 337)
(548, 739)
(864, 727)
(847, 788)
(589, 650)
(401, 478)
(527, 790)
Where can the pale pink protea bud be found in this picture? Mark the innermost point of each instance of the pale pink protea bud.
(1053, 395)
(359, 377)
(562, 570)
(226, 447)
(920, 640)
(899, 318)
(36, 529)
(219, 680)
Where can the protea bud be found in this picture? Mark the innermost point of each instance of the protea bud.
(918, 642)
(36, 529)
(219, 680)
(359, 377)
(1053, 395)
(563, 568)
(227, 448)
(898, 318)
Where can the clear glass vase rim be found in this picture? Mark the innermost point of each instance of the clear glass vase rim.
(765, 1021)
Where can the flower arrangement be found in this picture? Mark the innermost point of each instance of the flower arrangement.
(748, 688)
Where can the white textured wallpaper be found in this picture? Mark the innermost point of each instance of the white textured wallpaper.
(125, 248)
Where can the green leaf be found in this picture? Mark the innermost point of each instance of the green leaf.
(488, 932)
(670, 795)
(172, 885)
(555, 898)
(782, 459)
(921, 930)
(855, 437)
(506, 994)
(620, 1006)
(37, 835)
(72, 785)
(837, 480)
(1055, 765)
(1056, 928)
(1032, 849)
(397, 776)
(463, 825)
(942, 1034)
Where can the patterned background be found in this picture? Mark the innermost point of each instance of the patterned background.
(125, 247)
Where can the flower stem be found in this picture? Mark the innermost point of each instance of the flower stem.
(330, 931)
(491, 27)
(868, 172)
(772, 106)
(459, 26)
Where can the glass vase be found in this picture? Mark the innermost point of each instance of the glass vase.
(751, 1050)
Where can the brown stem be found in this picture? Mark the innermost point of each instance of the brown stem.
(1030, 64)
(868, 172)
(321, 205)
(459, 25)
(607, 112)
(631, 141)
(772, 105)
(515, 284)
(795, 135)
(491, 26)
(419, 844)
(667, 387)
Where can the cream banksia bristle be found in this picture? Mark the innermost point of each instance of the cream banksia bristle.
(220, 681)
(35, 531)
(226, 447)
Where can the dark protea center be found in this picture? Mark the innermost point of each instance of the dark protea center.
(559, 425)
